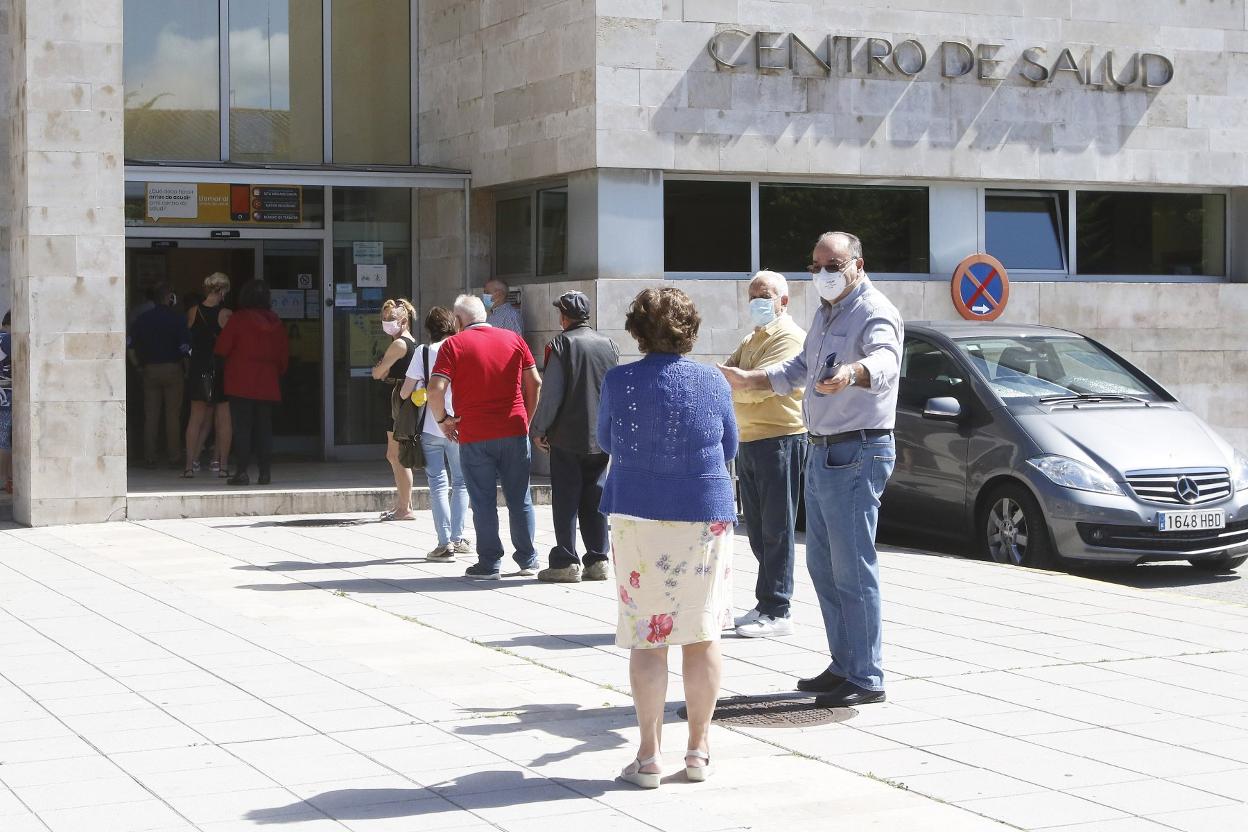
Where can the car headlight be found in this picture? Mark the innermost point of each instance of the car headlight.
(1071, 473)
(1240, 472)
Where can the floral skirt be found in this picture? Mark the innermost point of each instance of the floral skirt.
(675, 580)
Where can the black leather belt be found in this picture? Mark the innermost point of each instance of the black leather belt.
(849, 435)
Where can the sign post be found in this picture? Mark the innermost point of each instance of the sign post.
(980, 288)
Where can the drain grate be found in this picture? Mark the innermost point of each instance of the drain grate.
(774, 711)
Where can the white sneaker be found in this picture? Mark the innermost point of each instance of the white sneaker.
(442, 554)
(766, 626)
(749, 618)
(463, 546)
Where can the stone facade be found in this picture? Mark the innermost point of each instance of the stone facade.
(67, 258)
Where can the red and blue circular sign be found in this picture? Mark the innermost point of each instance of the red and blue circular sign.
(980, 288)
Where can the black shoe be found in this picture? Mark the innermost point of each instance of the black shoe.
(825, 682)
(848, 695)
(239, 479)
(263, 479)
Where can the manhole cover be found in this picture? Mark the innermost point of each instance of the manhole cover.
(776, 711)
(316, 522)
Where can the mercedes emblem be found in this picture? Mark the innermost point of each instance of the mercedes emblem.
(1187, 489)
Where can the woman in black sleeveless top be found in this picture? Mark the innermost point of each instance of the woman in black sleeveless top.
(396, 321)
(206, 379)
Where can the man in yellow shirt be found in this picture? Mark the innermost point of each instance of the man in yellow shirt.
(772, 456)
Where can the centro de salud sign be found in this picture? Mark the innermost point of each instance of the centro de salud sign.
(853, 55)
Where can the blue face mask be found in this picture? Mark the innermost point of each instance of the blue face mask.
(488, 300)
(762, 311)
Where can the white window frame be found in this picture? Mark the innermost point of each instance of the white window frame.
(1062, 197)
(1070, 189)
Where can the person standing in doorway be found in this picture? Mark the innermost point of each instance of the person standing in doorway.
(502, 313)
(209, 409)
(850, 362)
(256, 350)
(396, 321)
(496, 388)
(161, 343)
(448, 495)
(6, 403)
(771, 456)
(565, 426)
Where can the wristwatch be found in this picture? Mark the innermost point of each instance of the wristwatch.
(445, 416)
(853, 375)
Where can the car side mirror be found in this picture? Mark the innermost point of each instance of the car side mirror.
(943, 409)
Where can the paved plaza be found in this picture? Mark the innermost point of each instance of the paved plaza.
(316, 673)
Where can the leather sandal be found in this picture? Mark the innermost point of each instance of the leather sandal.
(698, 774)
(633, 773)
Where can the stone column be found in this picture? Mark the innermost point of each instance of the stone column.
(67, 261)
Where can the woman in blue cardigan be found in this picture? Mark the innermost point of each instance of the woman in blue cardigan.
(668, 424)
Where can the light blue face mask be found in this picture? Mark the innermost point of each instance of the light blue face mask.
(488, 300)
(762, 311)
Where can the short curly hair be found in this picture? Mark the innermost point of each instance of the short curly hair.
(663, 320)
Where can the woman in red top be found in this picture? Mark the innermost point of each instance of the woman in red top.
(256, 351)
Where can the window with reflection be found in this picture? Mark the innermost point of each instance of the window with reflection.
(1151, 233)
(892, 223)
(513, 235)
(552, 231)
(372, 82)
(706, 226)
(276, 94)
(1026, 229)
(172, 80)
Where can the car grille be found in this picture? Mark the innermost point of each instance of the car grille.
(1147, 538)
(1175, 488)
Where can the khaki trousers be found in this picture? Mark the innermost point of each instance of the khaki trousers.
(162, 387)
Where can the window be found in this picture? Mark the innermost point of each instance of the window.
(927, 372)
(276, 96)
(172, 79)
(372, 81)
(514, 236)
(552, 231)
(1151, 234)
(892, 223)
(1031, 367)
(1026, 230)
(706, 226)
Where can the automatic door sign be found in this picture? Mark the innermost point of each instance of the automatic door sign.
(980, 288)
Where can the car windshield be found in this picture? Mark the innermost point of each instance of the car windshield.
(1019, 367)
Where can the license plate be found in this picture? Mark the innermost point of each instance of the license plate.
(1191, 521)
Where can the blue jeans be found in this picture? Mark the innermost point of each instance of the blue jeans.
(448, 499)
(844, 482)
(486, 464)
(770, 475)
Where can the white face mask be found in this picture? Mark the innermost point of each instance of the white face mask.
(830, 285)
(392, 328)
(762, 311)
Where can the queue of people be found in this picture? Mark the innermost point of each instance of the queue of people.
(641, 460)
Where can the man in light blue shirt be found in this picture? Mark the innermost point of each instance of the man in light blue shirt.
(849, 365)
(501, 313)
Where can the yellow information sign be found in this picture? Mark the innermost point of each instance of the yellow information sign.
(365, 340)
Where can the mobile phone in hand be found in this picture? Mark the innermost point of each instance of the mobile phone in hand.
(830, 366)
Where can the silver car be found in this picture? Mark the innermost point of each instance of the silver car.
(1047, 446)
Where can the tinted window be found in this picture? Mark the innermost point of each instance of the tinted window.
(172, 72)
(927, 372)
(372, 81)
(706, 226)
(552, 231)
(1140, 233)
(514, 236)
(275, 81)
(891, 222)
(1026, 231)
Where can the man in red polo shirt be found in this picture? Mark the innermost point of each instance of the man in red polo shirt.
(496, 386)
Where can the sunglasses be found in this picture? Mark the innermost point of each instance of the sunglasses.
(834, 266)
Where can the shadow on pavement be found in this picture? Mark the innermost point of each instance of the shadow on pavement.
(562, 720)
(1155, 575)
(306, 565)
(480, 790)
(567, 641)
(377, 586)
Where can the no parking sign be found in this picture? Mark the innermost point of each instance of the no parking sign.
(980, 288)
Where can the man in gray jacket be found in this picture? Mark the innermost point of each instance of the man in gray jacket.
(564, 426)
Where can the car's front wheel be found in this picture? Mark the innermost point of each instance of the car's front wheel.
(1012, 528)
(1224, 564)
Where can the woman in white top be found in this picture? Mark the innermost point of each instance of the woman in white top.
(448, 495)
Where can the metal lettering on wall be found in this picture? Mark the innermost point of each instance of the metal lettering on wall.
(876, 57)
